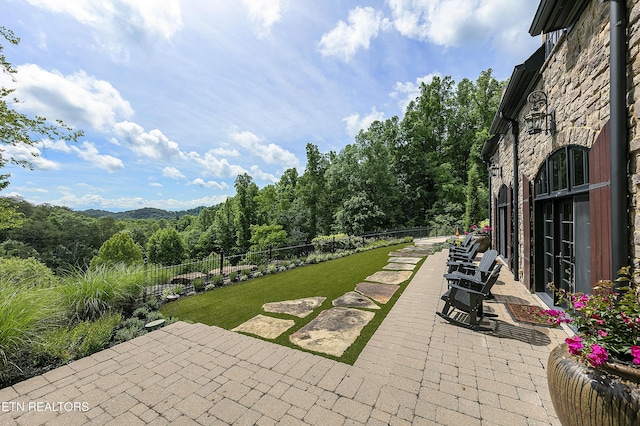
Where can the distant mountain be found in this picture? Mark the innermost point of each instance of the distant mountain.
(144, 213)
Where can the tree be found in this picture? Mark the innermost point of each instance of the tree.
(473, 210)
(267, 235)
(246, 212)
(224, 227)
(312, 190)
(118, 249)
(166, 247)
(19, 129)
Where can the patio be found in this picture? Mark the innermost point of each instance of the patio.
(417, 369)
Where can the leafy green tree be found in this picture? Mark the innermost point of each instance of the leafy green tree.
(118, 249)
(267, 235)
(473, 212)
(13, 248)
(166, 247)
(17, 128)
(224, 227)
(246, 213)
(313, 194)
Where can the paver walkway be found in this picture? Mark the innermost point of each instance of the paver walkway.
(416, 369)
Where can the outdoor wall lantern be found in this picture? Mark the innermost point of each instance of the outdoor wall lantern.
(496, 171)
(538, 119)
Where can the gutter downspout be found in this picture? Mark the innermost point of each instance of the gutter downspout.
(618, 137)
(515, 130)
(490, 209)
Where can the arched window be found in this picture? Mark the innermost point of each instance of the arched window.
(565, 171)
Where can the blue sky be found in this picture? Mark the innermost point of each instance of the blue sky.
(176, 98)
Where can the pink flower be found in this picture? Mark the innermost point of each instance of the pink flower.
(635, 352)
(602, 333)
(598, 355)
(575, 345)
(580, 301)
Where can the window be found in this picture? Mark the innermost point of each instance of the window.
(566, 170)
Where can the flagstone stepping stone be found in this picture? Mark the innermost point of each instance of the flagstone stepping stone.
(298, 307)
(353, 299)
(411, 253)
(400, 267)
(333, 331)
(389, 277)
(401, 259)
(381, 293)
(264, 326)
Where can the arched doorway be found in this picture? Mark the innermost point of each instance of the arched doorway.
(504, 222)
(562, 222)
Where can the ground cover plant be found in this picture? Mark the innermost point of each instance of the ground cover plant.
(47, 321)
(230, 306)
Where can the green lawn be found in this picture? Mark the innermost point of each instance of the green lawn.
(230, 306)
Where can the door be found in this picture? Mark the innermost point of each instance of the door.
(559, 245)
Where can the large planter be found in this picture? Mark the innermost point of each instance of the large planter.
(484, 241)
(584, 396)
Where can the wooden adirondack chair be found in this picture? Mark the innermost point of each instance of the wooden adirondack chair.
(465, 256)
(467, 267)
(466, 243)
(467, 295)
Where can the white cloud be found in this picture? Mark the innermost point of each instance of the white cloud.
(155, 184)
(451, 23)
(75, 201)
(355, 123)
(225, 152)
(258, 174)
(173, 173)
(209, 184)
(409, 91)
(154, 144)
(212, 166)
(346, 39)
(118, 24)
(90, 153)
(30, 154)
(56, 146)
(78, 99)
(264, 13)
(269, 153)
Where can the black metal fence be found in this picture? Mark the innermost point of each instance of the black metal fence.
(219, 269)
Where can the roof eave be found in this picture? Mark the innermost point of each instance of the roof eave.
(554, 15)
(519, 85)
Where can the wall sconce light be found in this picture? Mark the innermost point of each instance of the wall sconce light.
(538, 119)
(496, 171)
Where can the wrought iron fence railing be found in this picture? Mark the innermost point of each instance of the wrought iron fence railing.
(218, 268)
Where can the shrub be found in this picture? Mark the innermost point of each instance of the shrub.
(152, 304)
(216, 280)
(79, 340)
(96, 292)
(26, 272)
(198, 284)
(141, 312)
(124, 334)
(24, 314)
(331, 243)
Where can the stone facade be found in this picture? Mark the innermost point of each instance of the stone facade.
(575, 76)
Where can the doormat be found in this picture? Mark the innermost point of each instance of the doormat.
(527, 314)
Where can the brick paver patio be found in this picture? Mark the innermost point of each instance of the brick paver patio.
(416, 369)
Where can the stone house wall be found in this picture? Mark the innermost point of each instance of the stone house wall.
(575, 78)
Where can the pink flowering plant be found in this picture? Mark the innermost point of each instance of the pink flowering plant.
(607, 323)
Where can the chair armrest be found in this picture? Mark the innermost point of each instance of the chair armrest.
(466, 289)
